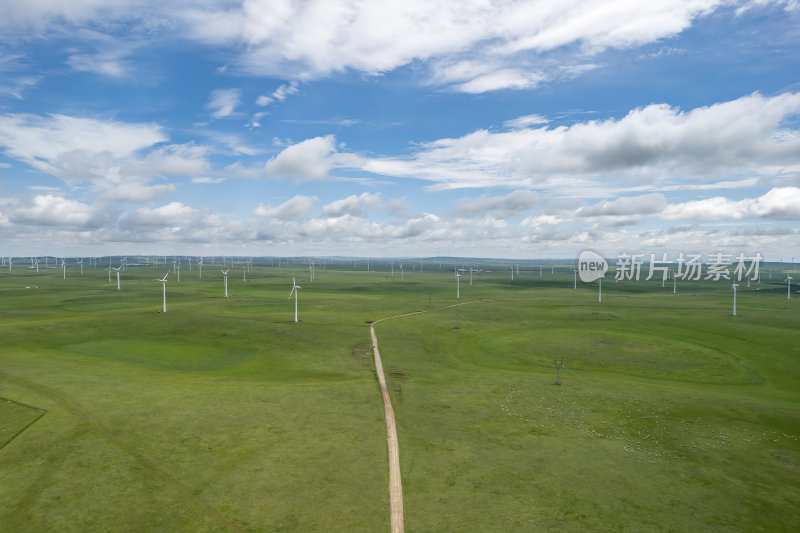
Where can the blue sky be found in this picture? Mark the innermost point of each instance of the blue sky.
(501, 129)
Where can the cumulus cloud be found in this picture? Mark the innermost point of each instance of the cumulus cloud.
(295, 208)
(50, 210)
(656, 142)
(174, 214)
(356, 205)
(306, 160)
(780, 203)
(223, 102)
(534, 221)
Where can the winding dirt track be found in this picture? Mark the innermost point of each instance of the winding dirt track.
(395, 483)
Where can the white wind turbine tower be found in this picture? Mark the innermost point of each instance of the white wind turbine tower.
(512, 272)
(734, 298)
(109, 272)
(178, 271)
(295, 289)
(244, 273)
(458, 285)
(225, 274)
(575, 272)
(164, 286)
(471, 270)
(117, 269)
(600, 290)
(80, 262)
(789, 287)
(402, 276)
(64, 268)
(200, 267)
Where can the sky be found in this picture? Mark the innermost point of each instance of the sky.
(379, 128)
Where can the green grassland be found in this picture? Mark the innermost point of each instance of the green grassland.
(225, 415)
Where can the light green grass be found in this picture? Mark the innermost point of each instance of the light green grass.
(223, 414)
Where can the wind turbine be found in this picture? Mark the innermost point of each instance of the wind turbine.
(295, 289)
(64, 268)
(225, 273)
(789, 288)
(674, 284)
(244, 273)
(200, 267)
(458, 285)
(164, 285)
(117, 269)
(512, 272)
(80, 261)
(470, 276)
(600, 290)
(575, 283)
(402, 276)
(734, 298)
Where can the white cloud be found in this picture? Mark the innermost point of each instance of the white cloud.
(15, 86)
(306, 160)
(513, 204)
(136, 192)
(223, 102)
(525, 121)
(279, 94)
(780, 203)
(657, 142)
(505, 44)
(176, 160)
(314, 39)
(49, 210)
(172, 215)
(504, 78)
(49, 142)
(295, 208)
(356, 205)
(647, 204)
(534, 221)
(109, 58)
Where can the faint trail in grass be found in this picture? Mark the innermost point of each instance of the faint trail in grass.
(42, 412)
(80, 412)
